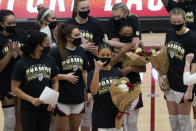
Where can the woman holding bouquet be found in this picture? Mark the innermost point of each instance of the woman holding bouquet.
(180, 41)
(131, 72)
(99, 81)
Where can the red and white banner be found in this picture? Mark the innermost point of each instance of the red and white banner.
(99, 8)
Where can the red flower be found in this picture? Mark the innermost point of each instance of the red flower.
(128, 84)
(141, 54)
(133, 50)
(131, 86)
(149, 53)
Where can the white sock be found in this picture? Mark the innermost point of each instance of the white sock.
(9, 118)
(185, 122)
(194, 125)
(174, 122)
(132, 120)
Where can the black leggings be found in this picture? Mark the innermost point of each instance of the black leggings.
(35, 119)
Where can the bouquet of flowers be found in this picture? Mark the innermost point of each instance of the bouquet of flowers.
(123, 93)
(137, 57)
(160, 62)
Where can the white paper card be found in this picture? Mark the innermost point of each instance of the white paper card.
(49, 96)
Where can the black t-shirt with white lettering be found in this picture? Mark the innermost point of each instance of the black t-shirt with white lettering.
(104, 111)
(114, 27)
(34, 75)
(19, 36)
(190, 10)
(91, 31)
(178, 47)
(76, 62)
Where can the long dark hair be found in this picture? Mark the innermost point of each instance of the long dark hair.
(64, 31)
(34, 39)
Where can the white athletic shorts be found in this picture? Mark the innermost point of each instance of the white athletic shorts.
(67, 109)
(86, 117)
(174, 96)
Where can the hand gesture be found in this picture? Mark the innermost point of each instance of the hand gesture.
(161, 83)
(98, 65)
(51, 107)
(128, 47)
(36, 102)
(127, 107)
(189, 58)
(188, 95)
(17, 48)
(72, 78)
(89, 99)
(11, 46)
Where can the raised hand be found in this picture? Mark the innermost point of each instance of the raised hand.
(98, 65)
(189, 58)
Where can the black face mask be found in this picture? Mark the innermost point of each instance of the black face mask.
(1, 28)
(107, 60)
(177, 27)
(53, 25)
(77, 41)
(46, 50)
(125, 38)
(10, 29)
(84, 14)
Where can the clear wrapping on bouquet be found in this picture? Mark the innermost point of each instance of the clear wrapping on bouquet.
(160, 62)
(123, 93)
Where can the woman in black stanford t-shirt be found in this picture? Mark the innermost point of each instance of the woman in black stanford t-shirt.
(99, 82)
(180, 41)
(32, 73)
(72, 63)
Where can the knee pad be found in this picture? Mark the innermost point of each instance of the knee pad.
(9, 118)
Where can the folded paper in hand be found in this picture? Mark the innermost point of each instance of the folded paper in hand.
(49, 96)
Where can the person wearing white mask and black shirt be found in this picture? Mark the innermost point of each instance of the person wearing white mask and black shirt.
(72, 63)
(11, 41)
(47, 20)
(180, 41)
(32, 73)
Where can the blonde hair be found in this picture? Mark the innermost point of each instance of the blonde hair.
(76, 3)
(177, 11)
(120, 6)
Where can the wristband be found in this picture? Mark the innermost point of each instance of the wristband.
(187, 64)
